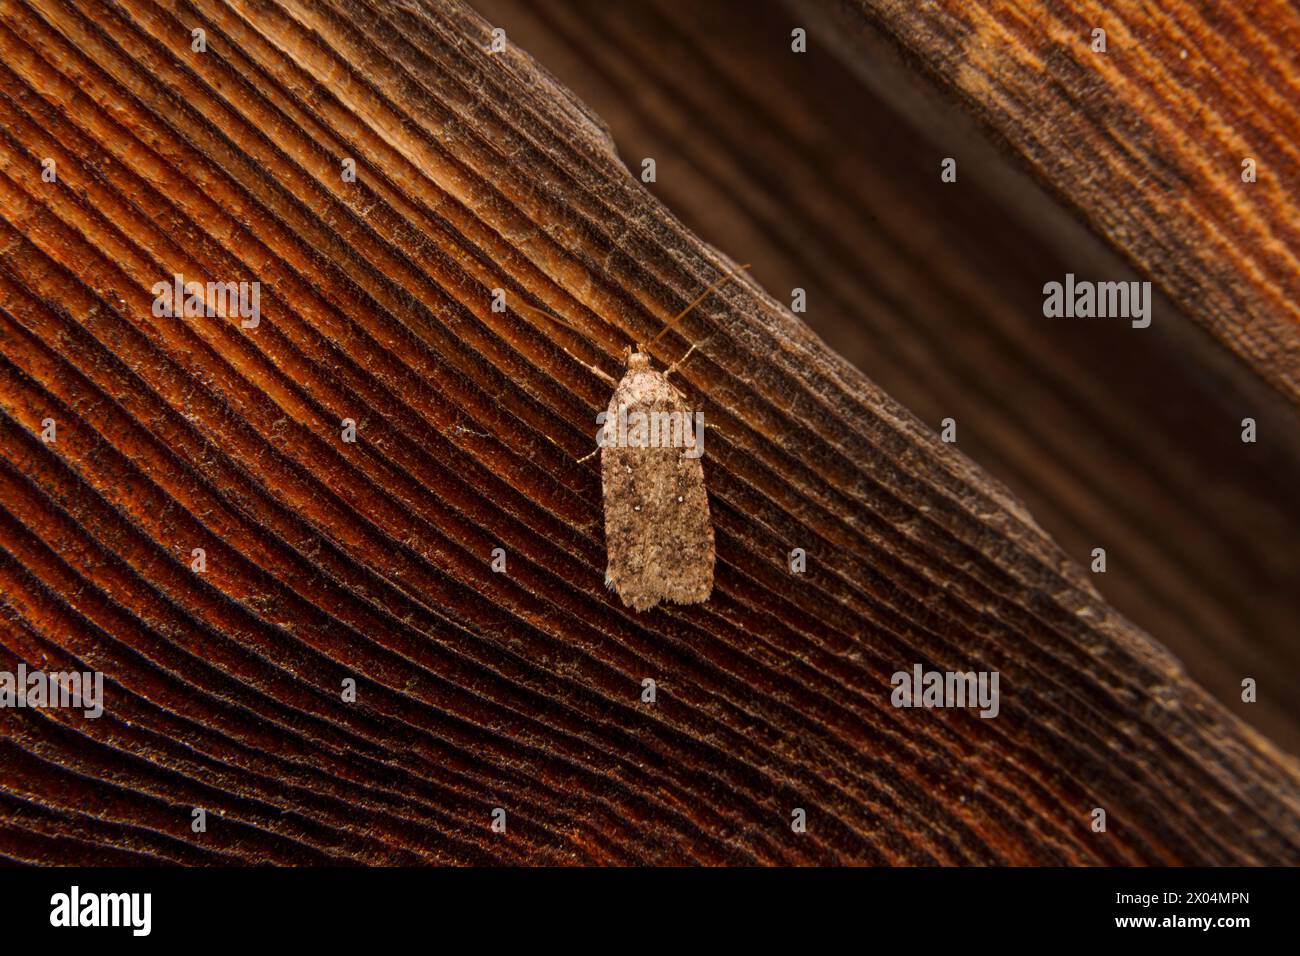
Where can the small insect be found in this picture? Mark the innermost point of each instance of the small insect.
(658, 532)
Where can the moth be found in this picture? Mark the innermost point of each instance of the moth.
(659, 542)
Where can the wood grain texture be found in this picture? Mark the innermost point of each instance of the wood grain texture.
(822, 169)
(371, 560)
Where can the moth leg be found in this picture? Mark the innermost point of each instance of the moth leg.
(603, 376)
(590, 455)
(681, 361)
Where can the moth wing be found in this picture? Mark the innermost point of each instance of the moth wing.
(658, 531)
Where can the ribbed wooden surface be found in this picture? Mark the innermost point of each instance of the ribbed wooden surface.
(328, 560)
(828, 181)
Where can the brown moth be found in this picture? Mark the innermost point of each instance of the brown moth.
(658, 532)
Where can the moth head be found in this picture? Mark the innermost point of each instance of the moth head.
(636, 361)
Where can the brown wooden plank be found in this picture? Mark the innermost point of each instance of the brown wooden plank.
(822, 169)
(370, 560)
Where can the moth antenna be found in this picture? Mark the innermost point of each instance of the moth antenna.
(600, 373)
(698, 299)
(548, 314)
